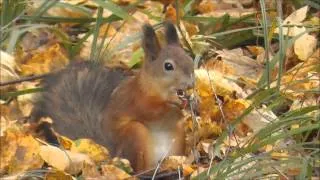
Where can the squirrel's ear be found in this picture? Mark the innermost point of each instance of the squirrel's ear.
(171, 34)
(150, 42)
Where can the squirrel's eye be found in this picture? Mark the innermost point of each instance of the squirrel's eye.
(168, 66)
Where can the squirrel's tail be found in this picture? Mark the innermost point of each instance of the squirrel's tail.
(75, 98)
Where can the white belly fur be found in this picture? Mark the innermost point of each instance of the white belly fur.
(163, 142)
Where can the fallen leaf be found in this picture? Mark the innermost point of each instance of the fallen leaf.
(198, 171)
(114, 173)
(280, 155)
(64, 160)
(41, 62)
(294, 19)
(123, 164)
(173, 162)
(65, 142)
(56, 175)
(95, 151)
(18, 151)
(297, 16)
(259, 118)
(7, 68)
(304, 46)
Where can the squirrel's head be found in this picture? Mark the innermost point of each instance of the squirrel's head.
(168, 70)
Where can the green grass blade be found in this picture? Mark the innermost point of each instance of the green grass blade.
(93, 54)
(45, 6)
(116, 10)
(281, 44)
(19, 93)
(266, 41)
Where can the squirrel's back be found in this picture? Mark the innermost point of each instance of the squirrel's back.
(75, 98)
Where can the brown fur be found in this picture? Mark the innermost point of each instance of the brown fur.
(124, 113)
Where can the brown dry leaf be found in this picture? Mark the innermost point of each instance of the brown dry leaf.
(206, 6)
(187, 170)
(58, 10)
(259, 118)
(307, 102)
(90, 171)
(255, 50)
(122, 47)
(173, 162)
(25, 101)
(57, 175)
(171, 14)
(191, 29)
(207, 146)
(303, 77)
(107, 29)
(198, 171)
(114, 173)
(124, 2)
(18, 151)
(55, 157)
(305, 45)
(241, 65)
(123, 164)
(5, 123)
(280, 155)
(209, 82)
(95, 151)
(293, 172)
(233, 109)
(42, 62)
(65, 142)
(70, 162)
(209, 129)
(33, 40)
(11, 113)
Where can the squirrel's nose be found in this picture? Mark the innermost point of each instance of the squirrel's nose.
(189, 84)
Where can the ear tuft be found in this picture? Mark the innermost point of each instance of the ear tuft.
(171, 33)
(150, 42)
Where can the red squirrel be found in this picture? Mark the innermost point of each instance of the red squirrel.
(136, 117)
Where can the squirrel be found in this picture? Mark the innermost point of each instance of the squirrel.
(136, 117)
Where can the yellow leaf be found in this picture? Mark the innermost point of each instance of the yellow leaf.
(304, 46)
(112, 172)
(295, 126)
(55, 157)
(45, 61)
(256, 50)
(64, 160)
(173, 162)
(279, 155)
(123, 164)
(65, 142)
(187, 170)
(57, 175)
(95, 151)
(18, 151)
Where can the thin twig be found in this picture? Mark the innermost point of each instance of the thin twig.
(23, 79)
